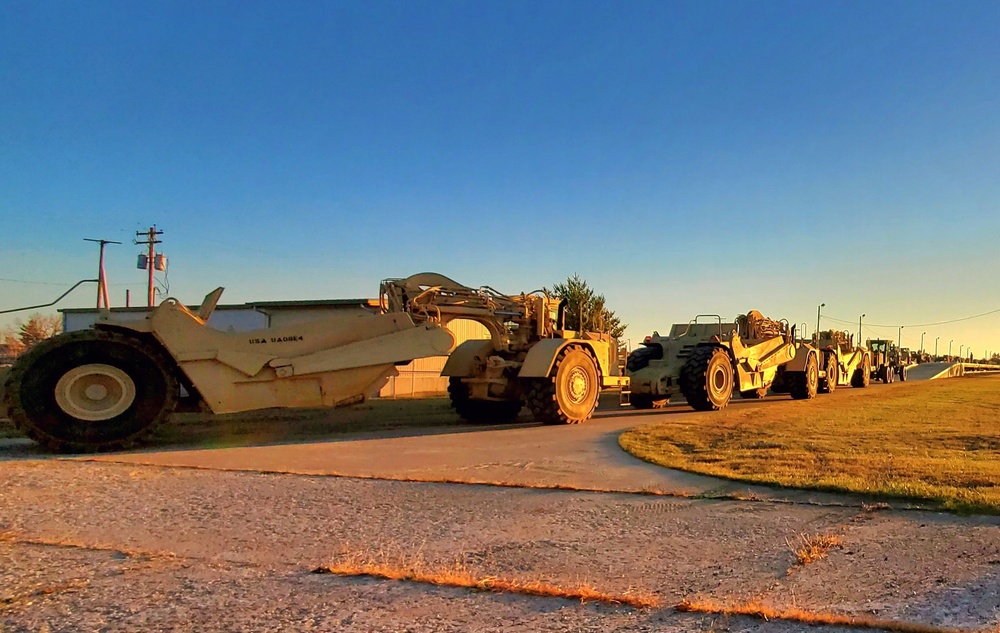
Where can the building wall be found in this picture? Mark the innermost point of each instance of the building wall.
(287, 316)
(422, 377)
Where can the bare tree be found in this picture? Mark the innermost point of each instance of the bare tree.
(10, 344)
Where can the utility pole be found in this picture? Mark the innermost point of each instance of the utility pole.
(819, 309)
(151, 242)
(102, 281)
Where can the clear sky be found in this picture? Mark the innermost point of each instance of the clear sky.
(683, 157)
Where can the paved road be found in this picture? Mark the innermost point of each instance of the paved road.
(586, 456)
(222, 540)
(928, 371)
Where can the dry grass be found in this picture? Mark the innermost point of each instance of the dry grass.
(932, 442)
(813, 548)
(28, 598)
(415, 569)
(812, 618)
(9, 536)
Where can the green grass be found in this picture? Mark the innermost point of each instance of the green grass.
(935, 442)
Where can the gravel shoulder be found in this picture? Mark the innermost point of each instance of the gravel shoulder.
(127, 547)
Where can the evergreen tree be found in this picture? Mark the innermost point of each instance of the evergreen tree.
(581, 300)
(38, 328)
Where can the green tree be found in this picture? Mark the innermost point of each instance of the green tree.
(38, 328)
(581, 299)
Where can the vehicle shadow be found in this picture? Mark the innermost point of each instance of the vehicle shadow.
(372, 420)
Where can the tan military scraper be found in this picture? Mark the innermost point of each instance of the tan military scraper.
(108, 387)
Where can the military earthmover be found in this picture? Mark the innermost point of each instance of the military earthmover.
(845, 364)
(706, 359)
(108, 387)
(887, 362)
(530, 357)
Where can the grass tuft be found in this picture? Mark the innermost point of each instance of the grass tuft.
(459, 575)
(813, 548)
(756, 609)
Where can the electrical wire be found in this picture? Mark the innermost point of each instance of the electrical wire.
(975, 316)
(48, 283)
(36, 283)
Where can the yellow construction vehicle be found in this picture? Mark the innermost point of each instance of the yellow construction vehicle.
(530, 357)
(108, 387)
(707, 361)
(844, 363)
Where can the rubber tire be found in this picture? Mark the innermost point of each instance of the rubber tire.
(805, 384)
(640, 357)
(550, 399)
(862, 375)
(754, 394)
(31, 385)
(707, 380)
(902, 374)
(889, 375)
(780, 384)
(826, 385)
(480, 411)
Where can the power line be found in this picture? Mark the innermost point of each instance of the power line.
(36, 283)
(975, 316)
(52, 283)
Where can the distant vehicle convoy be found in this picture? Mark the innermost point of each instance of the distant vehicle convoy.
(109, 387)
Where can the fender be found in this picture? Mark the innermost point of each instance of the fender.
(464, 358)
(543, 355)
(802, 355)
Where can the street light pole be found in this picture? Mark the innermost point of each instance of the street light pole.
(935, 346)
(960, 347)
(819, 308)
(949, 349)
(859, 328)
(899, 337)
(922, 342)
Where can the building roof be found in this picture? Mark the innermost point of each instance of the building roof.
(252, 305)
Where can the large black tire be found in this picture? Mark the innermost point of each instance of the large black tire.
(640, 357)
(754, 394)
(480, 411)
(707, 378)
(805, 384)
(902, 373)
(888, 375)
(862, 375)
(828, 384)
(92, 390)
(569, 395)
(780, 384)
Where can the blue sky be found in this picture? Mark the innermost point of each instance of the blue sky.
(683, 157)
